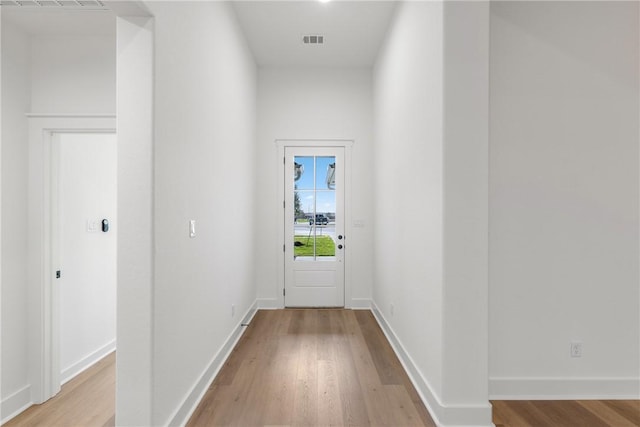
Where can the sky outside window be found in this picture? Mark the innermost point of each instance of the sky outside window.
(325, 198)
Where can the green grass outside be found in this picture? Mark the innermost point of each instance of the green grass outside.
(324, 246)
(302, 220)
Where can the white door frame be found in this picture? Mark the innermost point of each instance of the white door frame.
(282, 144)
(43, 328)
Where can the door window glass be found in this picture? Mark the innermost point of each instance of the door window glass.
(314, 208)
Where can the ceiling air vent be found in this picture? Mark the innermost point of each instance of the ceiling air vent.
(313, 39)
(52, 4)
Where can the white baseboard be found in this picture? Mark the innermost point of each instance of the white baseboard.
(421, 385)
(443, 415)
(87, 362)
(181, 416)
(268, 303)
(16, 403)
(360, 304)
(564, 388)
(274, 304)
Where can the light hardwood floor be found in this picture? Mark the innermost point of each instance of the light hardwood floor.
(566, 413)
(313, 368)
(88, 400)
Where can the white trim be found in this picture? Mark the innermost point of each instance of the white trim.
(443, 415)
(44, 363)
(1, 115)
(70, 115)
(347, 144)
(360, 304)
(191, 401)
(422, 386)
(16, 403)
(268, 303)
(86, 362)
(562, 388)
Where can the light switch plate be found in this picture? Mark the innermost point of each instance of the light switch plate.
(192, 228)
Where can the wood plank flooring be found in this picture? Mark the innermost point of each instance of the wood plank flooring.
(566, 413)
(88, 400)
(310, 368)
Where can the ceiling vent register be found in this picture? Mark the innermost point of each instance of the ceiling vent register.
(313, 39)
(66, 4)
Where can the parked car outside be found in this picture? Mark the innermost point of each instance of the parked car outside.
(320, 219)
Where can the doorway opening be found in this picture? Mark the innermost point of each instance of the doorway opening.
(314, 223)
(84, 248)
(73, 186)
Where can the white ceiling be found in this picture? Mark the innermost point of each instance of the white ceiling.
(61, 22)
(353, 31)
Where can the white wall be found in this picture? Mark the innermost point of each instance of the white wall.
(430, 248)
(408, 212)
(135, 225)
(205, 113)
(87, 193)
(73, 74)
(564, 199)
(15, 103)
(465, 246)
(0, 215)
(314, 103)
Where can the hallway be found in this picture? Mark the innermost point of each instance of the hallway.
(490, 208)
(312, 367)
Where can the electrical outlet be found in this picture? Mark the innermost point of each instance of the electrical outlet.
(576, 349)
(233, 310)
(391, 309)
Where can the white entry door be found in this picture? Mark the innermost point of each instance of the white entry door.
(314, 227)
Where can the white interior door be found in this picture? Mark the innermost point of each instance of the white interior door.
(314, 227)
(85, 244)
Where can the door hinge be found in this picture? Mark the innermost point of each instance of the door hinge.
(283, 204)
(58, 274)
(284, 160)
(283, 248)
(284, 292)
